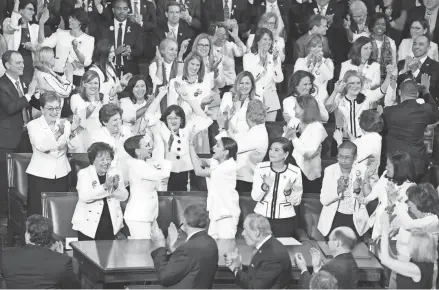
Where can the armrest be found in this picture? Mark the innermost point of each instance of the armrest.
(13, 193)
(301, 235)
(17, 205)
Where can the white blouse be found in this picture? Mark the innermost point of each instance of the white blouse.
(289, 103)
(405, 49)
(129, 116)
(369, 145)
(279, 43)
(371, 72)
(105, 86)
(307, 150)
(229, 51)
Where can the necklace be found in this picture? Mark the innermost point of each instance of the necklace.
(190, 81)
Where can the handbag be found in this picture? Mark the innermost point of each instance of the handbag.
(361, 218)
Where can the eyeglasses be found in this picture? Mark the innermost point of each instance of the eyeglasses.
(344, 157)
(203, 45)
(50, 109)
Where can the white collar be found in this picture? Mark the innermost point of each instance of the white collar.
(196, 232)
(173, 27)
(258, 246)
(422, 60)
(12, 79)
(268, 4)
(324, 6)
(434, 12)
(116, 23)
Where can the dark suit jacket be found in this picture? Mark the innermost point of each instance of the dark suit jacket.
(418, 13)
(429, 67)
(270, 267)
(184, 32)
(191, 266)
(133, 37)
(149, 15)
(193, 6)
(404, 129)
(343, 268)
(95, 18)
(301, 44)
(11, 118)
(34, 267)
(213, 12)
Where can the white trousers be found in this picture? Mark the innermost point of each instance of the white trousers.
(139, 230)
(224, 228)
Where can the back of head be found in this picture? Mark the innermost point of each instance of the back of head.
(256, 112)
(408, 90)
(348, 145)
(422, 246)
(196, 216)
(345, 236)
(323, 280)
(39, 231)
(257, 222)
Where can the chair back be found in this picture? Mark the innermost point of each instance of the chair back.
(78, 161)
(17, 164)
(183, 199)
(59, 207)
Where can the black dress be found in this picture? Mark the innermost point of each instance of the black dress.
(105, 227)
(426, 282)
(28, 71)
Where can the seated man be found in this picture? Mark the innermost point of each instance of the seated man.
(193, 264)
(343, 267)
(270, 266)
(39, 264)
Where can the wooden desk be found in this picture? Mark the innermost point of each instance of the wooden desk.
(126, 261)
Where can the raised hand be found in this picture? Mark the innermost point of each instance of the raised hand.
(157, 236)
(347, 22)
(425, 83)
(289, 132)
(339, 86)
(44, 16)
(183, 47)
(316, 259)
(158, 56)
(299, 259)
(172, 235)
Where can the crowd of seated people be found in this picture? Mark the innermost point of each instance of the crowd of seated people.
(255, 97)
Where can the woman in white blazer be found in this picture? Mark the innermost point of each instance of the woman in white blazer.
(363, 60)
(264, 63)
(49, 136)
(338, 196)
(417, 28)
(222, 198)
(321, 68)
(235, 103)
(270, 20)
(277, 188)
(72, 46)
(144, 177)
(21, 34)
(98, 215)
(308, 147)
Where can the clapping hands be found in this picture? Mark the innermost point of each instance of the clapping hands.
(233, 260)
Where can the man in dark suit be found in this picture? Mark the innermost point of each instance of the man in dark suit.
(270, 266)
(15, 96)
(175, 28)
(190, 12)
(415, 67)
(143, 12)
(194, 263)
(39, 264)
(126, 36)
(230, 12)
(406, 122)
(98, 11)
(343, 267)
(318, 24)
(427, 11)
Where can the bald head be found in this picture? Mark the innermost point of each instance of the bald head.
(345, 237)
(421, 45)
(408, 90)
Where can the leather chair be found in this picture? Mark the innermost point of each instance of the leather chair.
(182, 200)
(59, 207)
(78, 161)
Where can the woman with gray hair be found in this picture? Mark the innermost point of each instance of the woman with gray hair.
(252, 144)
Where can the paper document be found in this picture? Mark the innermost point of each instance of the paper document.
(289, 241)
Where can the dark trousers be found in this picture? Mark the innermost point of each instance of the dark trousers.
(178, 181)
(38, 185)
(343, 220)
(243, 187)
(283, 227)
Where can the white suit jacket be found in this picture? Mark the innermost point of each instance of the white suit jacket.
(329, 196)
(371, 72)
(143, 204)
(13, 40)
(48, 153)
(90, 204)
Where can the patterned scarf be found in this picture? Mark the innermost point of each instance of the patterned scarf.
(386, 55)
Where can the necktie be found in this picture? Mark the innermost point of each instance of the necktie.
(136, 7)
(272, 8)
(25, 112)
(171, 140)
(322, 10)
(86, 5)
(171, 34)
(119, 43)
(226, 10)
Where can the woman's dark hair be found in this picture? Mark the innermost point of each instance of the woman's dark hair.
(82, 16)
(86, 78)
(235, 92)
(287, 147)
(131, 144)
(311, 111)
(98, 147)
(23, 4)
(128, 91)
(295, 80)
(178, 111)
(100, 56)
(196, 216)
(371, 121)
(40, 230)
(425, 25)
(230, 145)
(201, 72)
(377, 16)
(425, 197)
(260, 32)
(107, 111)
(355, 52)
(403, 168)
